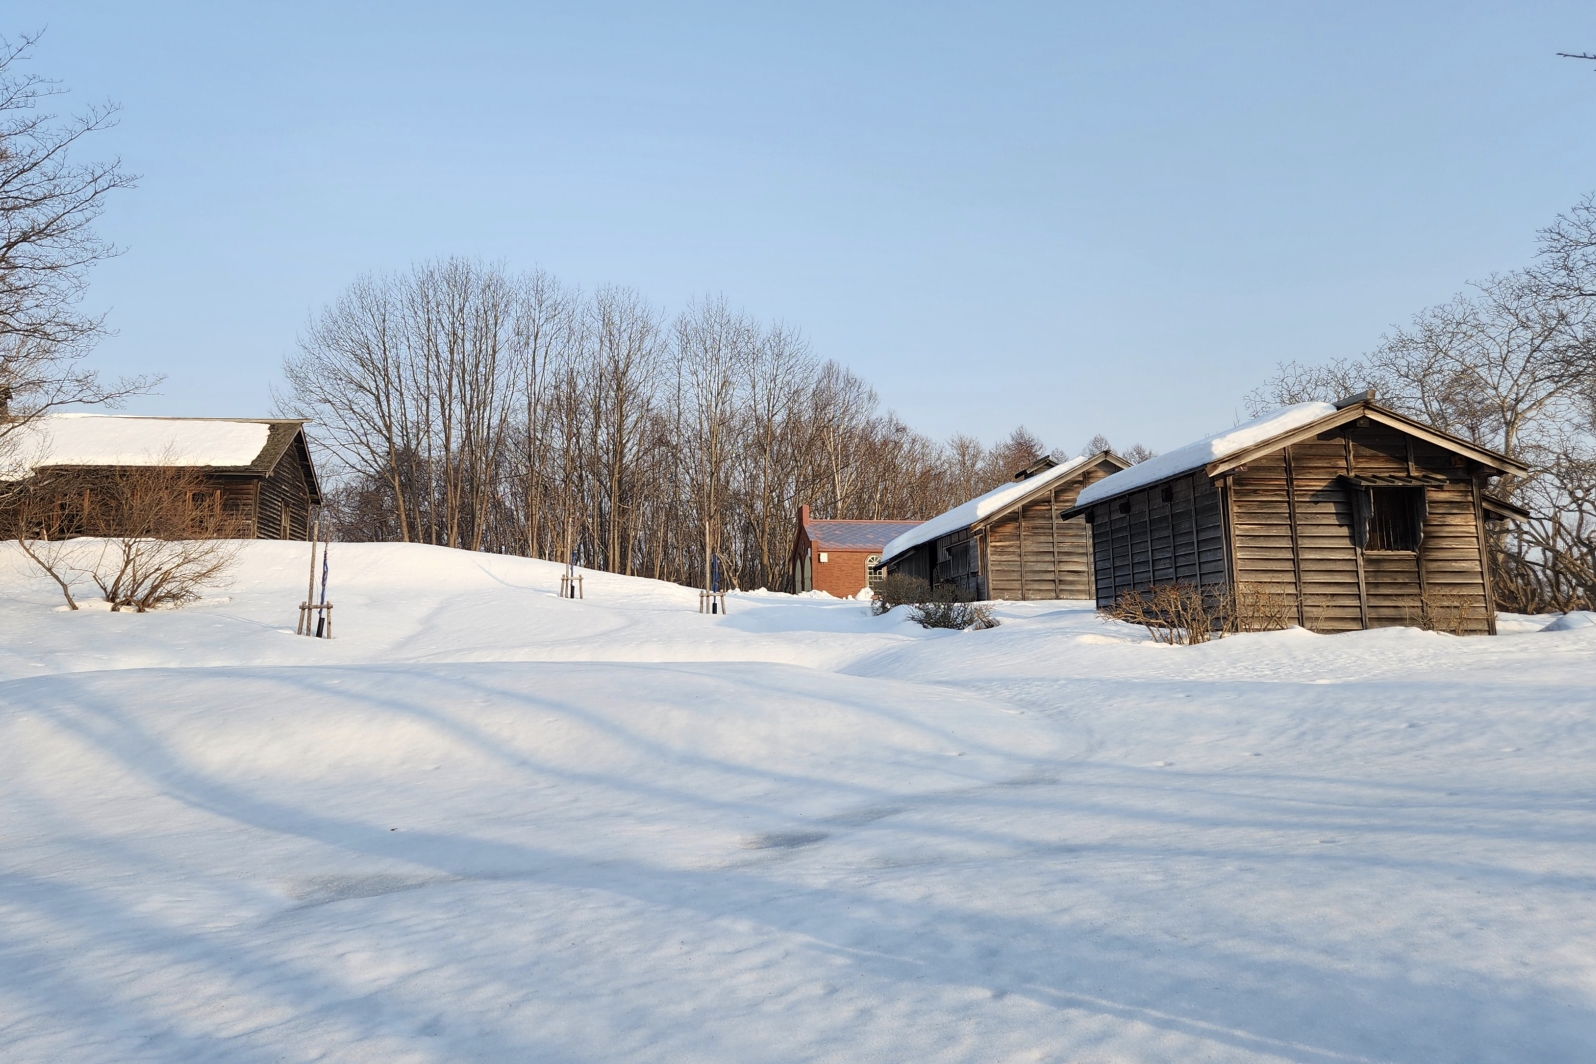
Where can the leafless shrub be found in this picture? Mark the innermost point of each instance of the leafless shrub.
(948, 607)
(36, 521)
(1181, 614)
(1453, 612)
(147, 536)
(1251, 607)
(167, 533)
(942, 607)
(900, 590)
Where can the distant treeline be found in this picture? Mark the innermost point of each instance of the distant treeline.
(467, 406)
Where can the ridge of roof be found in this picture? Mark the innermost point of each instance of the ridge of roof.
(85, 414)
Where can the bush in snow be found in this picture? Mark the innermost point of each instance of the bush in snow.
(899, 590)
(950, 608)
(944, 607)
(146, 536)
(1183, 613)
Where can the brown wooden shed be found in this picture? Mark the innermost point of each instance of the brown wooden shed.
(259, 469)
(1010, 543)
(1357, 516)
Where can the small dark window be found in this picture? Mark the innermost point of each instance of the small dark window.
(1396, 516)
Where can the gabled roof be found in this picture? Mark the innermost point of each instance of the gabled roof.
(1224, 451)
(221, 445)
(1367, 408)
(855, 535)
(995, 503)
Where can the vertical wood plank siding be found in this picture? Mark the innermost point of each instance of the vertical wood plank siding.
(1031, 554)
(1291, 531)
(285, 489)
(1148, 540)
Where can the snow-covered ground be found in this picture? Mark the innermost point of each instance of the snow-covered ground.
(485, 823)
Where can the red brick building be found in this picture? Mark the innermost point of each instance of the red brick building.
(835, 556)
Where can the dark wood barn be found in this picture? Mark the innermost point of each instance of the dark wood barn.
(1010, 543)
(256, 470)
(837, 556)
(1355, 516)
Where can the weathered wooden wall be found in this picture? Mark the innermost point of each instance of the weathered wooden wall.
(1032, 554)
(1283, 523)
(1298, 494)
(958, 562)
(1167, 533)
(285, 489)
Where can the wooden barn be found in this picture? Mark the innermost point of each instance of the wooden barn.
(837, 557)
(1346, 515)
(258, 471)
(1010, 543)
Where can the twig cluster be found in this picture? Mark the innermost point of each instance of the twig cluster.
(145, 537)
(1185, 613)
(944, 606)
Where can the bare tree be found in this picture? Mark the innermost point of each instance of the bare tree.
(468, 406)
(715, 349)
(49, 201)
(1135, 454)
(626, 335)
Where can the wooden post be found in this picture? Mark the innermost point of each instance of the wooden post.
(1296, 548)
(310, 588)
(1357, 534)
(1021, 514)
(1485, 557)
(1052, 515)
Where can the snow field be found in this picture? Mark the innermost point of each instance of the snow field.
(488, 824)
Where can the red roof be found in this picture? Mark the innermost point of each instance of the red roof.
(856, 535)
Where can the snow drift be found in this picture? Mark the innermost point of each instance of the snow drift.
(490, 824)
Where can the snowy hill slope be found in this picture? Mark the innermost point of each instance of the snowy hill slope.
(485, 823)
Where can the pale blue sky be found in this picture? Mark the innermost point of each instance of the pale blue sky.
(1084, 218)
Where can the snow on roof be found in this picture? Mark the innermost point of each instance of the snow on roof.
(1208, 449)
(967, 514)
(855, 535)
(116, 440)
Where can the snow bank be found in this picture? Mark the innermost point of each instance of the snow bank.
(968, 513)
(1209, 449)
(115, 440)
(1569, 622)
(487, 823)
